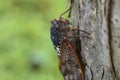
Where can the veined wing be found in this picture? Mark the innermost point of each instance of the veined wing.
(70, 66)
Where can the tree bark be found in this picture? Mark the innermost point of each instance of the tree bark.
(115, 36)
(101, 52)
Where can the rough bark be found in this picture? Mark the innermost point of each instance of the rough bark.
(115, 35)
(101, 52)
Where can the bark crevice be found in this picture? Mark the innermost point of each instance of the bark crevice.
(110, 35)
(103, 74)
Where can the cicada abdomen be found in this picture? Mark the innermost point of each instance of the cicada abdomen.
(70, 66)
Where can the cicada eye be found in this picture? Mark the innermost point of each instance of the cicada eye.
(54, 21)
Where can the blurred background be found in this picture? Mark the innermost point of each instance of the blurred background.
(26, 51)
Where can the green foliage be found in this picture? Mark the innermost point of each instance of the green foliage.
(26, 51)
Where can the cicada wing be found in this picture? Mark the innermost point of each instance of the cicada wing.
(69, 66)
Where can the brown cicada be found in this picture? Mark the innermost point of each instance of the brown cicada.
(64, 39)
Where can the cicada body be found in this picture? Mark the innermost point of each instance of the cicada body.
(63, 38)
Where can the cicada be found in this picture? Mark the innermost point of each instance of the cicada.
(64, 40)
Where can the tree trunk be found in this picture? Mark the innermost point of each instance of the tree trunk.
(101, 52)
